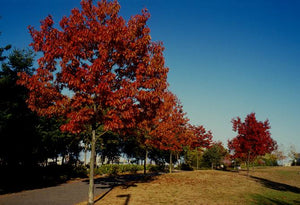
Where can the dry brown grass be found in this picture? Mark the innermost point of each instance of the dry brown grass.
(212, 187)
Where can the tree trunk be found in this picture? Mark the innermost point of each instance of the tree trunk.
(248, 163)
(212, 166)
(145, 161)
(197, 159)
(92, 163)
(177, 157)
(170, 161)
(85, 153)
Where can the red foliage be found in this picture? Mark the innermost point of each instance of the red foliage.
(170, 131)
(253, 139)
(199, 137)
(96, 69)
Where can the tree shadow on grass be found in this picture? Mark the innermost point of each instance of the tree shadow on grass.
(261, 199)
(127, 196)
(276, 185)
(124, 181)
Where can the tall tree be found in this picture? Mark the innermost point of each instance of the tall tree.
(107, 68)
(253, 139)
(17, 123)
(3, 49)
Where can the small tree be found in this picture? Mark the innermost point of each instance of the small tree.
(198, 138)
(279, 153)
(253, 139)
(292, 153)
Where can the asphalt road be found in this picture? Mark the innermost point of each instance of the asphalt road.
(64, 194)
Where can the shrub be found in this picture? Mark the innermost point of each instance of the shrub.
(156, 168)
(79, 171)
(134, 168)
(115, 169)
(186, 167)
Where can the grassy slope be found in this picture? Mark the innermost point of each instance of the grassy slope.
(265, 186)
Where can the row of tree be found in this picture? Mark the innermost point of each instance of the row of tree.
(102, 81)
(98, 75)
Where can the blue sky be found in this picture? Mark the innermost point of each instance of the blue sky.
(226, 58)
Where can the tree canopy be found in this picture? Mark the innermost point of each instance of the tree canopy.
(109, 70)
(253, 139)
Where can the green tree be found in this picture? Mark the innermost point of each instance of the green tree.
(55, 143)
(2, 49)
(17, 123)
(214, 155)
(109, 146)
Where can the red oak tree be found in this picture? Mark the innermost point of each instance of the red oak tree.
(199, 137)
(97, 71)
(170, 132)
(253, 139)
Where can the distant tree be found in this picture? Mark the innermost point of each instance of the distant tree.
(55, 143)
(107, 68)
(279, 153)
(214, 155)
(2, 49)
(160, 157)
(293, 155)
(198, 139)
(292, 152)
(109, 147)
(253, 139)
(269, 159)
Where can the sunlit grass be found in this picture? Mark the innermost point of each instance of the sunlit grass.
(265, 186)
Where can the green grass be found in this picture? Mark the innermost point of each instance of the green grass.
(275, 197)
(280, 185)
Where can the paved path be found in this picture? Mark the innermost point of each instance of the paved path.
(64, 194)
(71, 193)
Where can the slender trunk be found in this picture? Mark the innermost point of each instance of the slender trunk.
(92, 163)
(170, 161)
(197, 160)
(95, 162)
(145, 161)
(248, 162)
(85, 153)
(212, 166)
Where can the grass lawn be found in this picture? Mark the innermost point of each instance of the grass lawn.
(278, 185)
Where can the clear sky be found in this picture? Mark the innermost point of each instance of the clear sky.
(226, 58)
